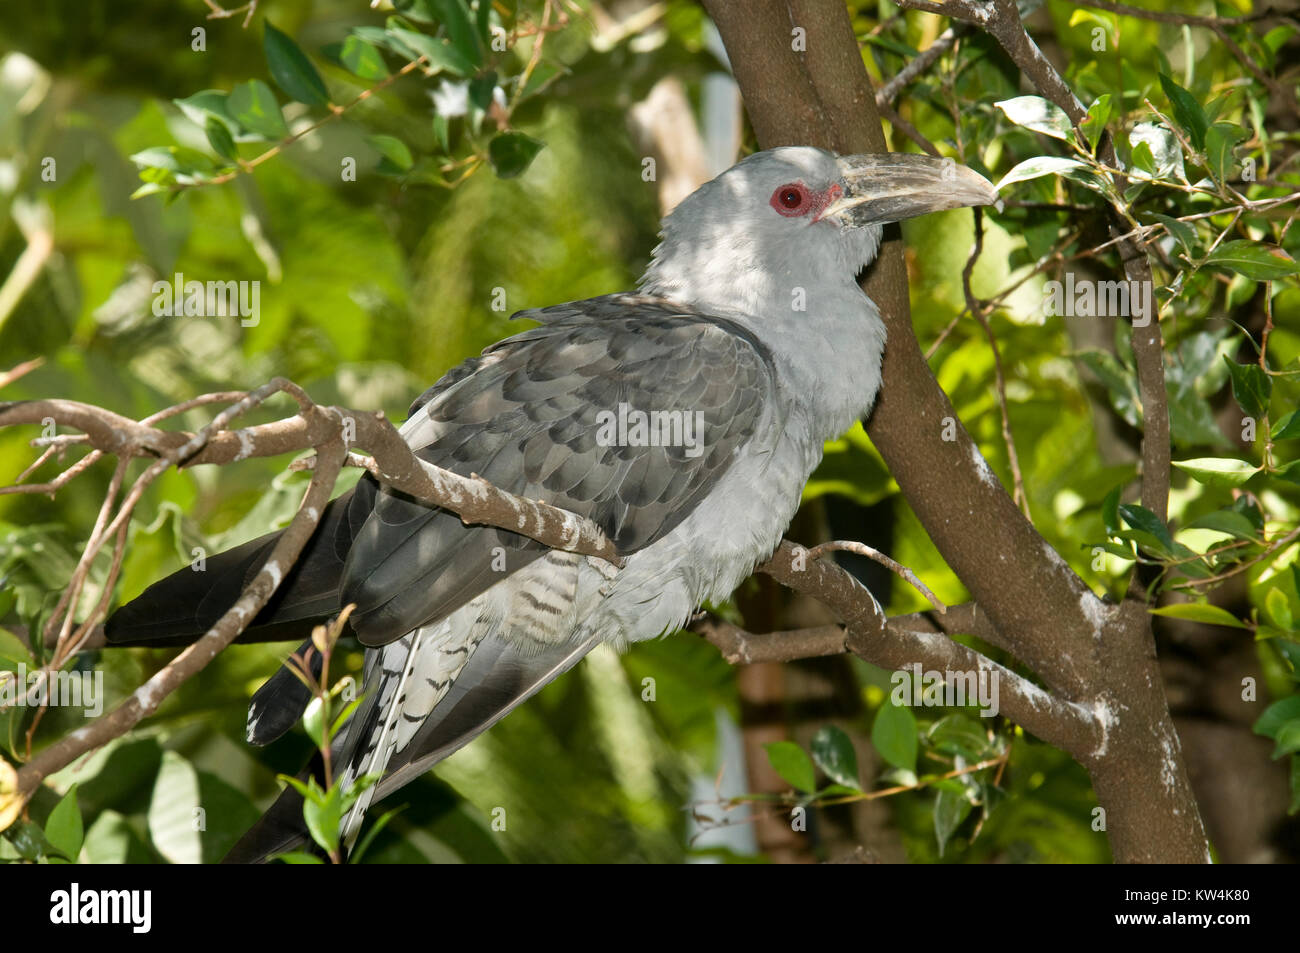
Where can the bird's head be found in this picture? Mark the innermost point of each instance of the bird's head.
(796, 216)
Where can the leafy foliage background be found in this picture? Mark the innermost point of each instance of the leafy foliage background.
(373, 288)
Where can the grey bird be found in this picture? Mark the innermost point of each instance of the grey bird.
(684, 419)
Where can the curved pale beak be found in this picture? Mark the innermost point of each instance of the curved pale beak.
(892, 186)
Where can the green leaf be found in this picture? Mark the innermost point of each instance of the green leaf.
(313, 722)
(112, 840)
(323, 815)
(793, 764)
(1289, 472)
(1182, 232)
(440, 53)
(512, 152)
(1110, 512)
(832, 749)
(442, 132)
(1038, 114)
(388, 38)
(455, 17)
(1220, 142)
(1141, 518)
(483, 21)
(1289, 649)
(1248, 508)
(360, 786)
(177, 159)
(1250, 386)
(1095, 123)
(1217, 471)
(1187, 111)
(1051, 165)
(1277, 715)
(480, 90)
(1255, 260)
(219, 137)
(297, 857)
(358, 57)
(894, 736)
(1162, 157)
(1103, 19)
(396, 156)
(1288, 428)
(950, 809)
(174, 810)
(1200, 612)
(1288, 739)
(419, 10)
(1143, 158)
(291, 69)
(30, 841)
(1276, 37)
(64, 828)
(959, 734)
(253, 106)
(212, 104)
(308, 791)
(1276, 605)
(1227, 521)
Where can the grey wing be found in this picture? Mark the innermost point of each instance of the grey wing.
(499, 677)
(526, 417)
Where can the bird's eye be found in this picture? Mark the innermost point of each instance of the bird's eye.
(791, 199)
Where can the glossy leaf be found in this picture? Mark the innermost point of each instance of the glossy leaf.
(833, 752)
(1218, 471)
(1187, 111)
(951, 807)
(1095, 122)
(291, 69)
(1038, 114)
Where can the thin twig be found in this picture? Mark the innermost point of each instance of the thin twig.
(862, 549)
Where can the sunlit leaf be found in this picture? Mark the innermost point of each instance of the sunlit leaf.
(832, 749)
(1200, 612)
(793, 765)
(1038, 114)
(1256, 260)
(894, 735)
(1218, 471)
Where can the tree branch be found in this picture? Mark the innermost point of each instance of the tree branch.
(145, 700)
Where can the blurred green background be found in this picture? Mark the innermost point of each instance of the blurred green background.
(371, 289)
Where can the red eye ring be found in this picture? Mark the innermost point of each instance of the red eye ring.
(791, 199)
